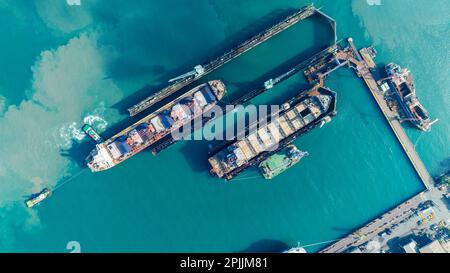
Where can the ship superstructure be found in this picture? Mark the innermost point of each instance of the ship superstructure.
(156, 126)
(402, 84)
(297, 116)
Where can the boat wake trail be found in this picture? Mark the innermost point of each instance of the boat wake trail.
(68, 132)
(98, 122)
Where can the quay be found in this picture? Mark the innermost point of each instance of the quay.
(372, 229)
(202, 70)
(362, 62)
(392, 118)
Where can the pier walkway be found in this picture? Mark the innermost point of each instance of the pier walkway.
(372, 229)
(363, 71)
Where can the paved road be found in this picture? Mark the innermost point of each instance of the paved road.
(371, 230)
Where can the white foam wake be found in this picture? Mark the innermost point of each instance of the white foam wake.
(2, 105)
(96, 118)
(71, 131)
(73, 2)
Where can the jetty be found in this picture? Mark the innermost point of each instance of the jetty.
(362, 63)
(362, 67)
(201, 70)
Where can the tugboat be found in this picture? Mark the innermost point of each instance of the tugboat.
(92, 133)
(280, 162)
(38, 197)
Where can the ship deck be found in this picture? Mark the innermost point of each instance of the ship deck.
(156, 112)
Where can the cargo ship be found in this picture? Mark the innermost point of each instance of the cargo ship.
(156, 126)
(281, 161)
(402, 85)
(38, 198)
(297, 116)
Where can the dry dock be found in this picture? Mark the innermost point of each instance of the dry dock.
(202, 70)
(362, 63)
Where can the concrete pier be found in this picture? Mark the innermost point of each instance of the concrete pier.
(404, 210)
(392, 118)
(372, 229)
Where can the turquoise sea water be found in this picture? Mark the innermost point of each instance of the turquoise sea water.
(64, 65)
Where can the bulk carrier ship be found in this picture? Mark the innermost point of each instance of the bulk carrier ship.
(156, 126)
(401, 82)
(297, 116)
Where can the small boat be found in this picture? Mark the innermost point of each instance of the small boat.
(280, 162)
(37, 198)
(92, 133)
